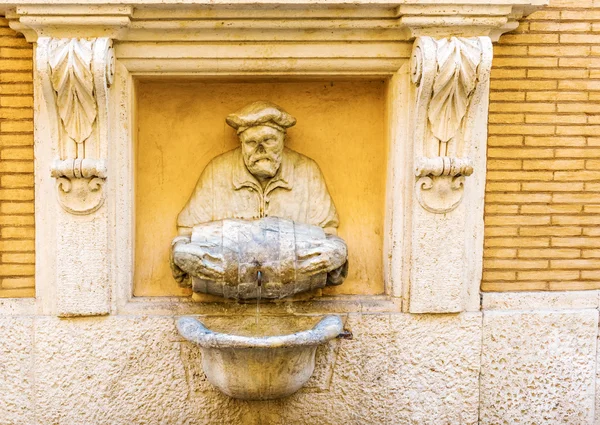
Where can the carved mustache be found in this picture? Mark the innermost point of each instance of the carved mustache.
(255, 159)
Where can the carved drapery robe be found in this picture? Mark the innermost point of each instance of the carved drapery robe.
(226, 189)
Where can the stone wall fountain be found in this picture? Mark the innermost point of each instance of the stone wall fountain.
(259, 224)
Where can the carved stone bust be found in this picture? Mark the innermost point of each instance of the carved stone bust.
(260, 221)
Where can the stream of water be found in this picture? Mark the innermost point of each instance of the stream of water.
(259, 293)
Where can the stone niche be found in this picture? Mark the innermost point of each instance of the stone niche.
(180, 128)
(391, 100)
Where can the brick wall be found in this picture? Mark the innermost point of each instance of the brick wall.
(16, 165)
(543, 187)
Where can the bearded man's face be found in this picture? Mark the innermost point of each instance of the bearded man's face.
(262, 147)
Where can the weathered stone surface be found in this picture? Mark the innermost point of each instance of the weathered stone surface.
(434, 368)
(540, 300)
(538, 367)
(16, 384)
(121, 370)
(113, 370)
(118, 371)
(399, 368)
(597, 409)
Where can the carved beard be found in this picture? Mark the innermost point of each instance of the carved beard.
(263, 166)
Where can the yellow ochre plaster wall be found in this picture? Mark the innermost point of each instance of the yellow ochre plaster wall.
(543, 185)
(181, 127)
(17, 255)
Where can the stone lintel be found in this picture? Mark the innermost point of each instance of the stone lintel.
(131, 20)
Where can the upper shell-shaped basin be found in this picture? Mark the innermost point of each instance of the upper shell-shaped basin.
(259, 368)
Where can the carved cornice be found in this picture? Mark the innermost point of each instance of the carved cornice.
(40, 19)
(447, 73)
(75, 75)
(145, 19)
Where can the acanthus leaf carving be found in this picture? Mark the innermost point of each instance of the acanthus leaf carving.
(76, 74)
(73, 82)
(447, 73)
(457, 63)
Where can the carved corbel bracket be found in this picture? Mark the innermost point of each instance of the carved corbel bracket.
(80, 184)
(447, 73)
(440, 183)
(76, 75)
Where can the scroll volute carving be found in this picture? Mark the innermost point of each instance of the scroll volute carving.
(447, 73)
(76, 74)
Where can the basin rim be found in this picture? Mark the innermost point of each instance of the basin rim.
(193, 330)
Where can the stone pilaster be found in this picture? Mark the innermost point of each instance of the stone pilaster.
(449, 135)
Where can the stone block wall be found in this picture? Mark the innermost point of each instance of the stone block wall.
(16, 165)
(117, 370)
(543, 184)
(539, 359)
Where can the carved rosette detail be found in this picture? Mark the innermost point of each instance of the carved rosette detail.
(447, 73)
(78, 74)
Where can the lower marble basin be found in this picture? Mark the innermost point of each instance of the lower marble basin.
(259, 368)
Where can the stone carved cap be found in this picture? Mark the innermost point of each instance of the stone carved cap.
(260, 113)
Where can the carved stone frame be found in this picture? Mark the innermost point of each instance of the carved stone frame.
(124, 90)
(72, 280)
